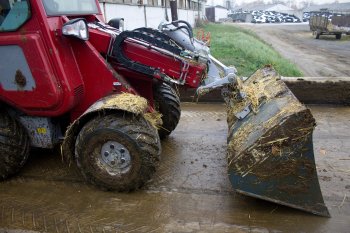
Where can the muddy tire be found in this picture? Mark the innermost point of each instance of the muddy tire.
(167, 102)
(317, 35)
(117, 152)
(338, 36)
(14, 146)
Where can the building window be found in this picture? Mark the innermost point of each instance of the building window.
(153, 2)
(181, 4)
(167, 3)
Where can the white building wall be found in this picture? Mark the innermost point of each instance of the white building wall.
(187, 15)
(155, 15)
(220, 13)
(134, 15)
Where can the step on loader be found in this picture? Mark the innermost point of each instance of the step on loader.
(107, 96)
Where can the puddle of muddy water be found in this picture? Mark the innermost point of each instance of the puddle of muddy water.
(190, 191)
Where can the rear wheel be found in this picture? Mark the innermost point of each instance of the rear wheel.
(117, 152)
(14, 145)
(338, 36)
(167, 102)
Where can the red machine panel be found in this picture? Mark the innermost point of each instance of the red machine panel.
(27, 78)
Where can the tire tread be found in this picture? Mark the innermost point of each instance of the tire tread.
(169, 106)
(137, 128)
(14, 146)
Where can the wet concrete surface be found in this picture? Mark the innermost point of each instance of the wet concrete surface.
(190, 191)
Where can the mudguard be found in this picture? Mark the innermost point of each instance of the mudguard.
(113, 103)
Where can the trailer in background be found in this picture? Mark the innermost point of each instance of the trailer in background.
(216, 13)
(327, 23)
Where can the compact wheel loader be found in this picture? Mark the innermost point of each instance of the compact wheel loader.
(107, 96)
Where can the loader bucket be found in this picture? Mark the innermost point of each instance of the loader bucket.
(270, 149)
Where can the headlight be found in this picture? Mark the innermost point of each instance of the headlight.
(76, 28)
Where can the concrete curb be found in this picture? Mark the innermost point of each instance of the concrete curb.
(309, 90)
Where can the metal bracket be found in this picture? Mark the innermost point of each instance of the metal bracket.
(218, 83)
(244, 113)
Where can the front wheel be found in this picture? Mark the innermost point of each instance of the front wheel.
(117, 152)
(167, 102)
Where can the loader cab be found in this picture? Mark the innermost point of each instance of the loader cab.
(14, 13)
(51, 76)
(43, 72)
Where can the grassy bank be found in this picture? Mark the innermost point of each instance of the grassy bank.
(243, 49)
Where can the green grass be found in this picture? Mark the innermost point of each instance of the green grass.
(246, 51)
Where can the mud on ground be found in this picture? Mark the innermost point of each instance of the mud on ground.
(325, 57)
(190, 191)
